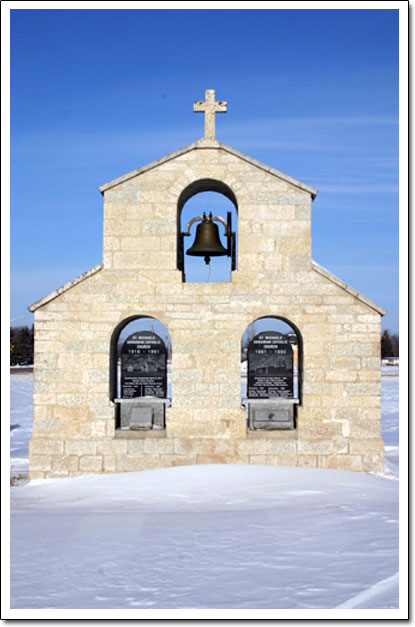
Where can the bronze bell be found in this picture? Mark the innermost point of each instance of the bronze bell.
(207, 243)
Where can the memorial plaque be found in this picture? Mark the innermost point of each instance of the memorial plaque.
(143, 366)
(270, 366)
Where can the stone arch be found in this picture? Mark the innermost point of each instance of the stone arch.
(261, 325)
(192, 189)
(156, 328)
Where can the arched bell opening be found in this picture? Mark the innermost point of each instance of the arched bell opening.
(271, 373)
(140, 372)
(207, 225)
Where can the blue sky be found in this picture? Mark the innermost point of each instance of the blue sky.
(98, 93)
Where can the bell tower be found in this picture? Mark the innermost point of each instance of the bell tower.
(137, 368)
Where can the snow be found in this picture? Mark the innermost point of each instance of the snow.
(204, 537)
(21, 404)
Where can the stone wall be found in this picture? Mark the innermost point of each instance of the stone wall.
(338, 423)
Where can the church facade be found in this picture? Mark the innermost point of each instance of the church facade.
(101, 404)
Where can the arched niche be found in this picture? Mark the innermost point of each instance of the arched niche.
(227, 209)
(271, 369)
(140, 369)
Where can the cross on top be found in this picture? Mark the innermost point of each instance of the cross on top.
(209, 107)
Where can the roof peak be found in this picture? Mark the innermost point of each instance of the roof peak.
(208, 143)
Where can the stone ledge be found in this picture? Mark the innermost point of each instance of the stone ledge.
(277, 434)
(132, 434)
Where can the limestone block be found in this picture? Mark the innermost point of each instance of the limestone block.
(259, 244)
(143, 260)
(319, 309)
(222, 459)
(341, 375)
(68, 413)
(315, 447)
(91, 463)
(367, 446)
(262, 460)
(370, 414)
(369, 375)
(80, 447)
(111, 447)
(341, 445)
(43, 446)
(65, 463)
(310, 387)
(187, 428)
(130, 463)
(345, 413)
(298, 261)
(119, 228)
(150, 242)
(345, 462)
(109, 463)
(276, 261)
(307, 461)
(158, 227)
(177, 460)
(189, 447)
(111, 243)
(322, 461)
(40, 462)
(363, 389)
(341, 350)
(41, 397)
(287, 460)
(44, 427)
(73, 400)
(282, 447)
(158, 446)
(47, 375)
(373, 363)
(134, 447)
(185, 374)
(303, 212)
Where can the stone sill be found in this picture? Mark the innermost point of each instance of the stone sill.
(134, 434)
(277, 434)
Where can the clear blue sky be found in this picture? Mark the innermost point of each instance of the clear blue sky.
(98, 93)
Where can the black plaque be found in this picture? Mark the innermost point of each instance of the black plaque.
(270, 366)
(143, 366)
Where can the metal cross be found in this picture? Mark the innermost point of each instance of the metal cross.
(209, 107)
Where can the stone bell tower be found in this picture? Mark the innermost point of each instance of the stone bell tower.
(135, 368)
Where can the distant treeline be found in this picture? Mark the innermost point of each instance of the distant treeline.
(21, 346)
(389, 344)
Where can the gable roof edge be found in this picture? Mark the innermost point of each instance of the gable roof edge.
(65, 287)
(347, 288)
(203, 144)
(149, 166)
(285, 177)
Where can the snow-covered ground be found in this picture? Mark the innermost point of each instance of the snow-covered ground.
(21, 404)
(201, 537)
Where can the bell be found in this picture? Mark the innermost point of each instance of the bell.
(207, 243)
